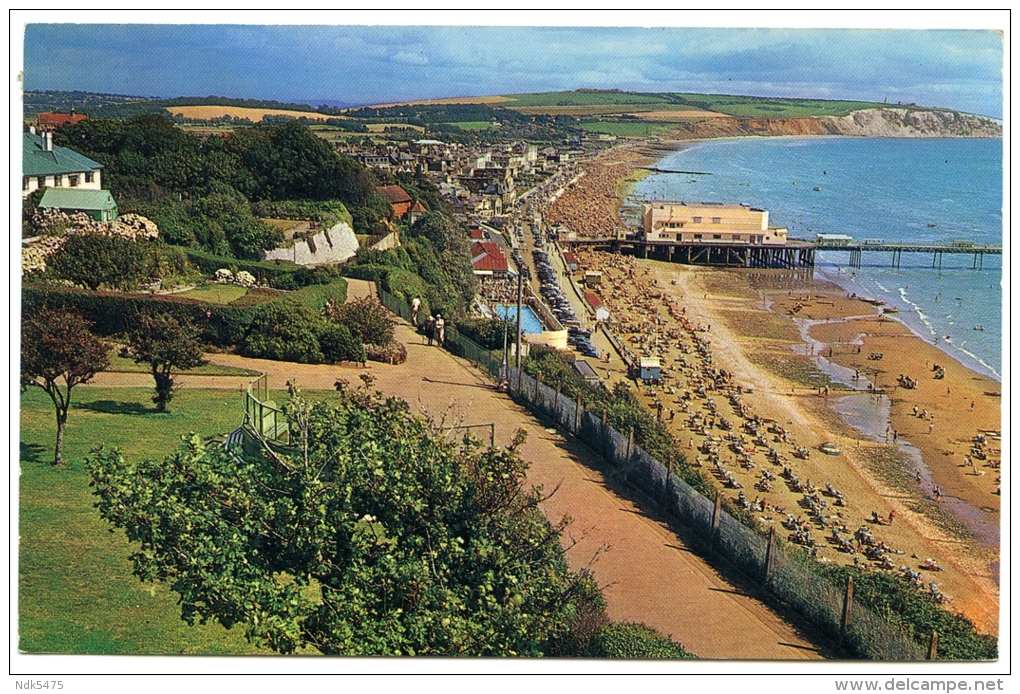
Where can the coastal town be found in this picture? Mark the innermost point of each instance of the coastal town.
(426, 268)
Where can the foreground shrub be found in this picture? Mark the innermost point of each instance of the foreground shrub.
(94, 261)
(365, 318)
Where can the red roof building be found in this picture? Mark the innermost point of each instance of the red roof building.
(488, 259)
(398, 199)
(477, 234)
(48, 121)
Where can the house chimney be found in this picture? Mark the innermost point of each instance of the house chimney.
(48, 141)
(31, 130)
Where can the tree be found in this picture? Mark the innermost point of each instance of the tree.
(375, 535)
(166, 345)
(57, 346)
(365, 318)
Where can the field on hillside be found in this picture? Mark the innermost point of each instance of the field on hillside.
(628, 128)
(452, 100)
(677, 115)
(581, 99)
(763, 107)
(253, 114)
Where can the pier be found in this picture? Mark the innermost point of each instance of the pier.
(857, 250)
(789, 256)
(794, 254)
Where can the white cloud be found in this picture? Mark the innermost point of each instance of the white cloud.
(408, 58)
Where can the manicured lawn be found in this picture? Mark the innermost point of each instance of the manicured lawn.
(125, 365)
(215, 293)
(76, 590)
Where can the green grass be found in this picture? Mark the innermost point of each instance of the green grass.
(215, 293)
(125, 365)
(628, 129)
(580, 99)
(763, 107)
(76, 590)
(473, 125)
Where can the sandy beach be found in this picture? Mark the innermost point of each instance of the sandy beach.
(928, 491)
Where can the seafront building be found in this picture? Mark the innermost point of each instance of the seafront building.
(710, 223)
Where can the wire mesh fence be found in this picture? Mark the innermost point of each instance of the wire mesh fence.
(783, 571)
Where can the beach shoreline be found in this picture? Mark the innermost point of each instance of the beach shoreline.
(757, 334)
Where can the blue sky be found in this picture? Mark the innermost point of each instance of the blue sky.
(960, 69)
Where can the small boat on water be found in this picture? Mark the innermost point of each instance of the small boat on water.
(893, 309)
(933, 226)
(818, 187)
(979, 327)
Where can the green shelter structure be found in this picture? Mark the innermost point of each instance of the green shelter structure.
(98, 204)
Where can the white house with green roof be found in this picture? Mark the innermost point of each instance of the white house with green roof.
(98, 204)
(47, 166)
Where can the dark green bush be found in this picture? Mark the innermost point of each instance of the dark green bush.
(634, 642)
(316, 296)
(219, 325)
(95, 261)
(284, 330)
(338, 344)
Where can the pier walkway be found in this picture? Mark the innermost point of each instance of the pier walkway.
(897, 250)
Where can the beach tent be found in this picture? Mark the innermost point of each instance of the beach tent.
(650, 368)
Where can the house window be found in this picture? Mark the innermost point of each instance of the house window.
(736, 237)
(72, 180)
(58, 181)
(88, 176)
(24, 183)
(40, 181)
(697, 220)
(716, 220)
(697, 237)
(716, 236)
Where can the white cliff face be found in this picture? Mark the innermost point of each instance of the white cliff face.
(334, 245)
(901, 122)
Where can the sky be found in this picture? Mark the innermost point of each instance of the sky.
(359, 64)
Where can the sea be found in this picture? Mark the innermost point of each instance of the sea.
(896, 190)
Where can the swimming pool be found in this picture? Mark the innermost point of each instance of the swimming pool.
(530, 323)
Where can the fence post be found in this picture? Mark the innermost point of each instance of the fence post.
(933, 646)
(848, 608)
(770, 550)
(605, 438)
(669, 477)
(538, 387)
(556, 408)
(577, 416)
(716, 518)
(630, 446)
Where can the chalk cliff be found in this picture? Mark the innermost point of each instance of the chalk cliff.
(879, 122)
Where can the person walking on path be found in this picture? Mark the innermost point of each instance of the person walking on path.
(415, 307)
(440, 328)
(430, 329)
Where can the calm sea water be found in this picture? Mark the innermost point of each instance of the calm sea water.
(897, 190)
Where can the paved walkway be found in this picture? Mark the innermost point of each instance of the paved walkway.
(647, 573)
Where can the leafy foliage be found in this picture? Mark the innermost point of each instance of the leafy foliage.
(94, 260)
(916, 613)
(57, 346)
(166, 345)
(378, 537)
(634, 642)
(366, 319)
(287, 330)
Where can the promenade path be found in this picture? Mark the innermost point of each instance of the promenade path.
(647, 572)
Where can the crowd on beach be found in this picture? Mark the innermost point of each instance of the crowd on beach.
(583, 209)
(755, 460)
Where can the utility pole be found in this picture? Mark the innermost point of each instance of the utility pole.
(520, 296)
